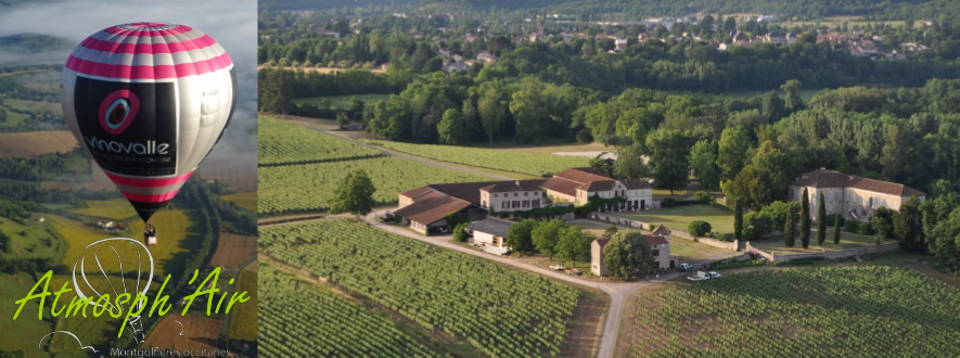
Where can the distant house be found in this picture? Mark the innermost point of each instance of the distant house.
(486, 58)
(426, 207)
(852, 196)
(659, 246)
(620, 44)
(490, 234)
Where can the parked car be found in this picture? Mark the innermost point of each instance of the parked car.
(686, 267)
(714, 274)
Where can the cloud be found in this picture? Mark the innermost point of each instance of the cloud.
(233, 23)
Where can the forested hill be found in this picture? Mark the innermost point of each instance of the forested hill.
(631, 9)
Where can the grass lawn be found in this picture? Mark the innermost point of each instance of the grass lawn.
(247, 200)
(33, 106)
(572, 147)
(687, 250)
(342, 102)
(116, 209)
(847, 241)
(25, 332)
(678, 218)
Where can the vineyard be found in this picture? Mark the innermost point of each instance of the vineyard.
(851, 311)
(311, 186)
(280, 142)
(501, 312)
(537, 164)
(298, 319)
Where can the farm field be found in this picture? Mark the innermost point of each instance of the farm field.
(299, 319)
(835, 311)
(28, 328)
(115, 209)
(342, 102)
(465, 296)
(282, 142)
(31, 239)
(33, 106)
(173, 232)
(311, 186)
(679, 217)
(96, 331)
(847, 241)
(36, 143)
(537, 164)
(199, 332)
(324, 70)
(233, 250)
(243, 319)
(246, 200)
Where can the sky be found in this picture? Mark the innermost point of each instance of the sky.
(232, 23)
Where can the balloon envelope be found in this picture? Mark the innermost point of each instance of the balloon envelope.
(148, 101)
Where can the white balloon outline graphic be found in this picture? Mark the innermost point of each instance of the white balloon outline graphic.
(134, 322)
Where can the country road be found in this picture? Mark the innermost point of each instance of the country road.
(618, 291)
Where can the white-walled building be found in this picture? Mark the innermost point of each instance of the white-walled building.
(852, 196)
(490, 234)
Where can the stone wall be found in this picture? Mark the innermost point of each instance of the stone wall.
(636, 224)
(860, 251)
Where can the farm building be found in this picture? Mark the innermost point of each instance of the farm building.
(852, 196)
(426, 207)
(490, 234)
(659, 245)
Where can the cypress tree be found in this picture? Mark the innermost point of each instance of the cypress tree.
(738, 221)
(836, 230)
(805, 220)
(790, 229)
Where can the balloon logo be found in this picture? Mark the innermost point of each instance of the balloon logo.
(118, 110)
(148, 101)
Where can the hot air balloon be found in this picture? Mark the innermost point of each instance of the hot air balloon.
(148, 101)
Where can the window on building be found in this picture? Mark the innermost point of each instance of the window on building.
(656, 253)
(515, 194)
(536, 203)
(504, 205)
(526, 203)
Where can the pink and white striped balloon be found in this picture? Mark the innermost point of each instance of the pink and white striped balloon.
(148, 101)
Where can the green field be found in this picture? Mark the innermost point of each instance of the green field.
(849, 311)
(311, 186)
(30, 239)
(174, 242)
(679, 217)
(536, 164)
(115, 209)
(847, 241)
(465, 296)
(33, 106)
(299, 319)
(246, 200)
(281, 142)
(27, 328)
(343, 102)
(243, 320)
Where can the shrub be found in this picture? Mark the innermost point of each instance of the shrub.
(832, 218)
(866, 229)
(667, 202)
(851, 226)
(459, 234)
(702, 197)
(699, 228)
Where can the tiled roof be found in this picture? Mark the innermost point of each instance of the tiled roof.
(656, 240)
(508, 186)
(661, 230)
(636, 184)
(580, 175)
(471, 191)
(824, 178)
(561, 185)
(598, 185)
(432, 207)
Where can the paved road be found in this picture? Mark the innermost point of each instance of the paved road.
(618, 291)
